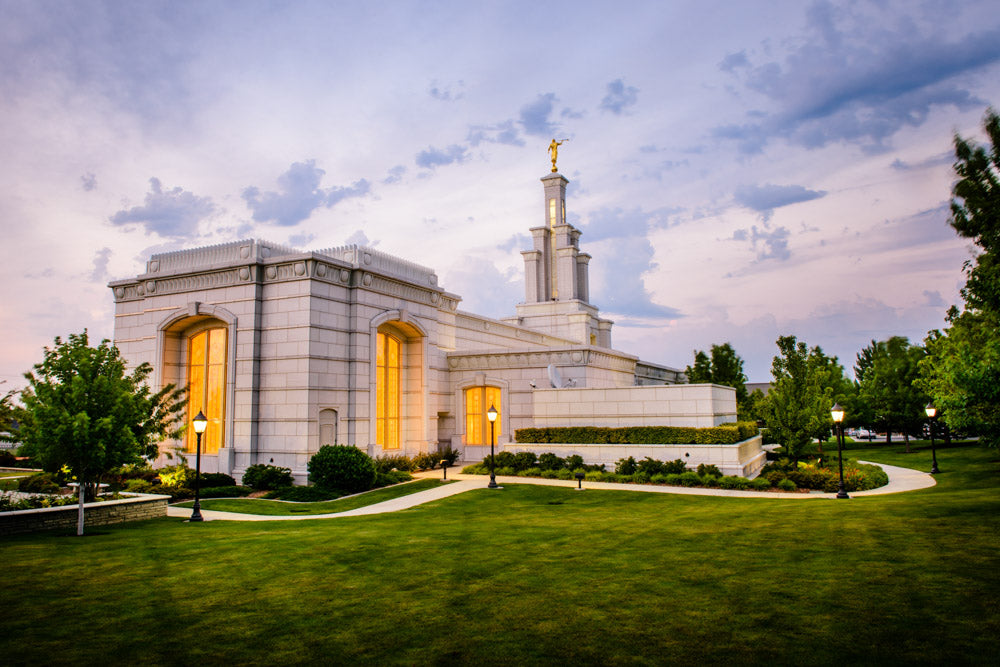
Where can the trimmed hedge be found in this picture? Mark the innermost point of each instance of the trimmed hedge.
(725, 434)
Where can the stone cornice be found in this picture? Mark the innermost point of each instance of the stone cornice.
(566, 356)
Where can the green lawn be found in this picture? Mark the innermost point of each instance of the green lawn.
(534, 574)
(276, 508)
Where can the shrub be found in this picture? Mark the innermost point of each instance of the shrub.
(342, 467)
(476, 469)
(786, 485)
(7, 458)
(761, 484)
(707, 469)
(176, 475)
(574, 461)
(734, 482)
(566, 473)
(658, 478)
(523, 461)
(677, 466)
(711, 481)
(550, 461)
(424, 461)
(550, 474)
(530, 472)
(448, 454)
(227, 491)
(640, 435)
(399, 462)
(176, 493)
(690, 478)
(594, 476)
(139, 486)
(673, 478)
(506, 471)
(626, 466)
(650, 466)
(210, 479)
(266, 477)
(43, 482)
(302, 494)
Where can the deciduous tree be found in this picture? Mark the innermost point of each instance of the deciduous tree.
(83, 411)
(725, 367)
(886, 372)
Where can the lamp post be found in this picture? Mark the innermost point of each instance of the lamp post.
(837, 413)
(932, 417)
(491, 414)
(200, 423)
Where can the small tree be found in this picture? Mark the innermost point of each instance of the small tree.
(724, 367)
(82, 411)
(886, 372)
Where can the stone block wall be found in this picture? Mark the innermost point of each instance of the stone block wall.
(138, 508)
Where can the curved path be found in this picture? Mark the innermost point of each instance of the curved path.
(900, 480)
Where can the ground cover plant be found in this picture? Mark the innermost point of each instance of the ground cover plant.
(273, 508)
(534, 575)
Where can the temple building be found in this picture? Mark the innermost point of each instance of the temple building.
(287, 350)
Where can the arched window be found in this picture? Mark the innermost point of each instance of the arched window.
(387, 391)
(477, 427)
(206, 372)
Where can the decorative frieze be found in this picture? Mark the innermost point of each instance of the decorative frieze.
(557, 357)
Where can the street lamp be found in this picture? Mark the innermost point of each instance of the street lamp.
(837, 413)
(932, 416)
(491, 414)
(200, 423)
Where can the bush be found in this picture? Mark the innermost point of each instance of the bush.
(761, 484)
(266, 477)
(176, 493)
(225, 491)
(734, 482)
(523, 460)
(566, 473)
(626, 466)
(705, 469)
(43, 482)
(210, 479)
(675, 467)
(342, 468)
(530, 472)
(424, 461)
(7, 458)
(786, 485)
(711, 481)
(391, 477)
(690, 478)
(139, 486)
(550, 461)
(389, 462)
(594, 476)
(302, 494)
(640, 435)
(450, 455)
(650, 466)
(176, 475)
(574, 461)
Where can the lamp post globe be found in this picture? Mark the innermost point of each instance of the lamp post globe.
(491, 414)
(931, 413)
(200, 423)
(837, 414)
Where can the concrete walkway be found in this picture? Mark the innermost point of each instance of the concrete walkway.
(900, 480)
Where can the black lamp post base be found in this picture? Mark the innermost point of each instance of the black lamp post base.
(842, 494)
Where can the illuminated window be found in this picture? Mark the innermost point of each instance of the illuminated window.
(207, 387)
(477, 427)
(552, 212)
(387, 391)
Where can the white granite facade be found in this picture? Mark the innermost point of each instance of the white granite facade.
(300, 359)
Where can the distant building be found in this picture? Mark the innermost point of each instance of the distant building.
(285, 351)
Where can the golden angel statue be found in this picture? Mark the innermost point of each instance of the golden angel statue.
(554, 151)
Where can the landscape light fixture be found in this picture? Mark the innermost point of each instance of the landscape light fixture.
(444, 466)
(932, 416)
(579, 481)
(491, 414)
(837, 414)
(200, 423)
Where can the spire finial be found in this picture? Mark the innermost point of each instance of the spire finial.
(554, 151)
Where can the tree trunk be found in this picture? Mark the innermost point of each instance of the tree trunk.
(81, 489)
(906, 439)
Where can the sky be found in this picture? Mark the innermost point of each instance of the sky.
(739, 170)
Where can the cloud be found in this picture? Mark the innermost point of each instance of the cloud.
(300, 240)
(395, 175)
(485, 289)
(932, 161)
(299, 196)
(859, 75)
(359, 238)
(437, 157)
(933, 298)
(500, 133)
(88, 181)
(171, 214)
(765, 198)
(732, 61)
(101, 259)
(535, 116)
(767, 243)
(610, 223)
(444, 93)
(619, 97)
(617, 279)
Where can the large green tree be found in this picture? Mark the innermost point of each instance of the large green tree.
(886, 372)
(962, 369)
(805, 385)
(724, 367)
(82, 410)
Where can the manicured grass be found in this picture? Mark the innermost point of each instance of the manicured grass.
(533, 575)
(276, 508)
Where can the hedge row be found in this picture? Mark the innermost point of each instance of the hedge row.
(726, 434)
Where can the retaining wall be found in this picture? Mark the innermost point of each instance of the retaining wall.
(742, 458)
(137, 508)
